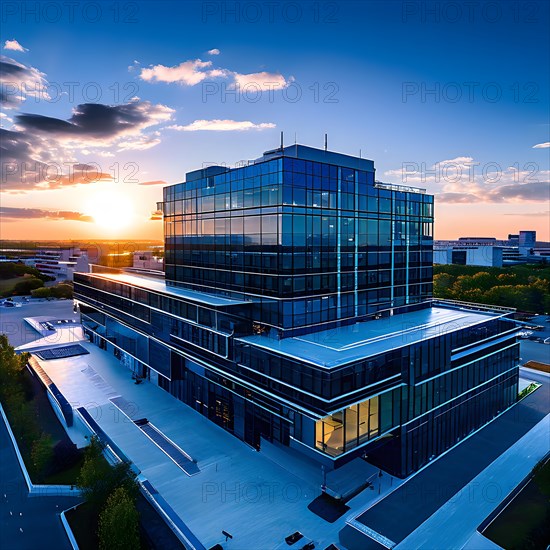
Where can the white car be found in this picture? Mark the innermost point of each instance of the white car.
(525, 333)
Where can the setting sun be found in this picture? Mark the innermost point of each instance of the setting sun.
(111, 210)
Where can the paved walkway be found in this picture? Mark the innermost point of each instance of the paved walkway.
(237, 489)
(26, 523)
(456, 522)
(415, 501)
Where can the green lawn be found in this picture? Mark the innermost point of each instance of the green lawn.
(66, 477)
(38, 410)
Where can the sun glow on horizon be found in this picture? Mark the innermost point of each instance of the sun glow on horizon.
(111, 210)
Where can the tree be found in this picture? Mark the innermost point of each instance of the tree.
(41, 453)
(11, 366)
(93, 475)
(442, 285)
(98, 479)
(119, 523)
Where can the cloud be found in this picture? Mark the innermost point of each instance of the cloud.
(5, 118)
(98, 121)
(457, 198)
(140, 143)
(542, 145)
(533, 191)
(188, 73)
(544, 214)
(9, 213)
(40, 151)
(462, 180)
(218, 125)
(195, 71)
(156, 182)
(263, 80)
(17, 82)
(14, 45)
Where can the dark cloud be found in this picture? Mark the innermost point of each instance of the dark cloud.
(97, 120)
(17, 81)
(39, 153)
(9, 213)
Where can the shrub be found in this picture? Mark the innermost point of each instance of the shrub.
(42, 292)
(65, 456)
(62, 290)
(26, 285)
(98, 479)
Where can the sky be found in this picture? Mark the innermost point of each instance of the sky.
(103, 103)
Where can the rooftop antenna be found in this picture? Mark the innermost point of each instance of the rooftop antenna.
(294, 138)
(360, 154)
(326, 142)
(281, 140)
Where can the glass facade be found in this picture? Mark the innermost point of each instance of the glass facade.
(326, 241)
(296, 243)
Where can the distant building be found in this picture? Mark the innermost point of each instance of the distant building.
(489, 251)
(146, 259)
(59, 263)
(482, 255)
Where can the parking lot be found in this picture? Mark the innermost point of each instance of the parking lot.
(18, 331)
(532, 350)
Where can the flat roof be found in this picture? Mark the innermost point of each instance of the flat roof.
(315, 154)
(160, 286)
(335, 347)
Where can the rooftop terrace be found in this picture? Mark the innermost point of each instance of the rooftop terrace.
(157, 284)
(335, 347)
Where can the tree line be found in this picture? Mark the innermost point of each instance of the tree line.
(524, 287)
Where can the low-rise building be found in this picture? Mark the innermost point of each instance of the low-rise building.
(59, 263)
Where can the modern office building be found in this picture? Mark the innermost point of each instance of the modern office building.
(296, 308)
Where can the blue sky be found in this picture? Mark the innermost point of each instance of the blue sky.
(363, 71)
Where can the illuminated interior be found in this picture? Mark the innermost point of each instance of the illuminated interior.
(348, 428)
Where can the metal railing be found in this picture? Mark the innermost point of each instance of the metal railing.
(472, 305)
(397, 187)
